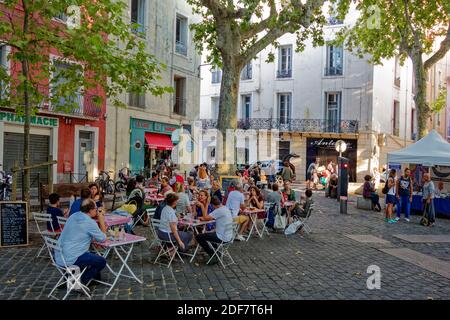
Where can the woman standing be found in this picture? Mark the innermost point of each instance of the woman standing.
(391, 199)
(287, 173)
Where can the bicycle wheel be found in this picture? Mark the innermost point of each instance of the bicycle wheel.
(110, 187)
(119, 186)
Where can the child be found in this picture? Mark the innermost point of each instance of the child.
(54, 210)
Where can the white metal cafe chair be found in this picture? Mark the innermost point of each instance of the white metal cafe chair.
(42, 221)
(153, 231)
(70, 275)
(221, 249)
(62, 221)
(305, 221)
(140, 217)
(267, 207)
(168, 248)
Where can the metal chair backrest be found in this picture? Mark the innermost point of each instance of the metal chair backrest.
(62, 221)
(43, 218)
(310, 209)
(53, 247)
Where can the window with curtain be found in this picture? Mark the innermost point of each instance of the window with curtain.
(181, 32)
(284, 107)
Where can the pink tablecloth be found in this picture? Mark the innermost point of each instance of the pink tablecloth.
(115, 220)
(129, 239)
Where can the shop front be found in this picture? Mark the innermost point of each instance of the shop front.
(43, 143)
(150, 142)
(325, 149)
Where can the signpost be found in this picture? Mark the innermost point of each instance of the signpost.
(13, 223)
(343, 184)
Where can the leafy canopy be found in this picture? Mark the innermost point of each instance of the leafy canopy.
(240, 29)
(99, 47)
(389, 28)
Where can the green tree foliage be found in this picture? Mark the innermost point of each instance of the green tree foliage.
(103, 54)
(235, 31)
(403, 28)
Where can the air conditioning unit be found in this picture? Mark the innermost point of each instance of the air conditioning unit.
(382, 139)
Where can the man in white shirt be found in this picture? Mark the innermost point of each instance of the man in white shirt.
(224, 228)
(236, 202)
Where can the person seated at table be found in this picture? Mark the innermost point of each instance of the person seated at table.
(288, 193)
(55, 211)
(369, 192)
(275, 196)
(96, 195)
(76, 205)
(216, 190)
(78, 233)
(306, 203)
(223, 231)
(153, 181)
(203, 207)
(251, 183)
(165, 187)
(236, 203)
(177, 177)
(168, 228)
(183, 204)
(192, 188)
(255, 199)
(332, 186)
(136, 196)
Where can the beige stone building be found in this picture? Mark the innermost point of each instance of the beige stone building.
(138, 136)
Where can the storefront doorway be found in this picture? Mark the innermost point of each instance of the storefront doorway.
(325, 149)
(158, 147)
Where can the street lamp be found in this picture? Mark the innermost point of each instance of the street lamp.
(341, 146)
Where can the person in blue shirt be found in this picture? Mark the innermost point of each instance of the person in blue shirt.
(54, 210)
(404, 195)
(80, 230)
(76, 205)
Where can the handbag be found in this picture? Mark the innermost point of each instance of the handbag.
(424, 220)
(129, 207)
(293, 228)
(280, 221)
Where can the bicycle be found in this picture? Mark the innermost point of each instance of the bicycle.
(105, 182)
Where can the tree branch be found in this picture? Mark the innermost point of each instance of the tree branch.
(442, 51)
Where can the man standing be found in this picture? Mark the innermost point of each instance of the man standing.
(224, 228)
(404, 195)
(428, 196)
(312, 169)
(287, 173)
(78, 233)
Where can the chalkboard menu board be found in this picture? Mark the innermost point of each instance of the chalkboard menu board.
(226, 182)
(13, 223)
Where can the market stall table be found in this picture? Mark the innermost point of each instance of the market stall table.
(123, 249)
(441, 205)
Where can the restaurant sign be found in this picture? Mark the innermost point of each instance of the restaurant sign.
(34, 120)
(151, 126)
(328, 143)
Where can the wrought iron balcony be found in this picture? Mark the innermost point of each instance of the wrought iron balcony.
(292, 125)
(86, 108)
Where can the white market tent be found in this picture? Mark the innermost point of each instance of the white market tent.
(431, 150)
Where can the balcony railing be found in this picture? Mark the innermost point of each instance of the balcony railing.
(181, 48)
(86, 108)
(179, 106)
(284, 73)
(292, 125)
(333, 71)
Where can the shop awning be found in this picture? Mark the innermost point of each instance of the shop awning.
(158, 141)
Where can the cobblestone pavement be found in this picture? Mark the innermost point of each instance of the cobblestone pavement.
(325, 264)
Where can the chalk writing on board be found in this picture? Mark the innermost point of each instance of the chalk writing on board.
(14, 224)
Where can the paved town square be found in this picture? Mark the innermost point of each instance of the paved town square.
(325, 264)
